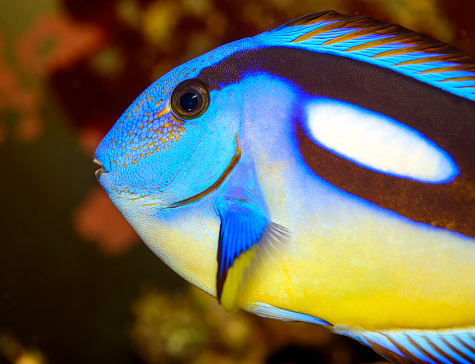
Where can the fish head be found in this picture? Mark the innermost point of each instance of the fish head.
(175, 140)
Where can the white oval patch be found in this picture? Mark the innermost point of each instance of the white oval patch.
(377, 142)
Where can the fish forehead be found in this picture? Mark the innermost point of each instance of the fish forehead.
(148, 126)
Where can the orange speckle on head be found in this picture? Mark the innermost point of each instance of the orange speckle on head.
(112, 139)
(134, 148)
(181, 128)
(162, 140)
(115, 162)
(166, 125)
(118, 128)
(146, 114)
(170, 136)
(131, 141)
(135, 161)
(125, 165)
(141, 147)
(161, 100)
(141, 101)
(157, 103)
(164, 148)
(186, 75)
(142, 155)
(116, 143)
(127, 156)
(150, 98)
(194, 70)
(140, 138)
(127, 118)
(176, 81)
(149, 153)
(122, 147)
(156, 149)
(163, 90)
(141, 127)
(165, 111)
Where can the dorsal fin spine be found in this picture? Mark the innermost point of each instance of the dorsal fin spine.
(357, 33)
(385, 45)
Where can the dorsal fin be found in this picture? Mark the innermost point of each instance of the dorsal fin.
(419, 346)
(386, 45)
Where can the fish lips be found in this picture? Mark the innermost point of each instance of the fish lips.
(101, 170)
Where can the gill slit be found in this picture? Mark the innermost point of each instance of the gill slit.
(214, 186)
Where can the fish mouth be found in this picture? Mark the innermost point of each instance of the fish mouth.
(235, 159)
(101, 170)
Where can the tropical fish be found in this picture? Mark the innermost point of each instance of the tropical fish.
(323, 171)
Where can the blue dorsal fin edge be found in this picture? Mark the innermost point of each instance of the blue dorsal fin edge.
(386, 45)
(419, 346)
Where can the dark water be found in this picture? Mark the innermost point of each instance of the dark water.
(76, 283)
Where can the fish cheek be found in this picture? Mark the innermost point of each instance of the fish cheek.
(215, 150)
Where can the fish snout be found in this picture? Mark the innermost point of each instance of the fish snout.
(101, 170)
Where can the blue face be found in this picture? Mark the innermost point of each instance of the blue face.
(176, 139)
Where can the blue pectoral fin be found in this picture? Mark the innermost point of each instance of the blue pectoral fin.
(248, 241)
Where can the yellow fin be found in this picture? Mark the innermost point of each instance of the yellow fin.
(233, 284)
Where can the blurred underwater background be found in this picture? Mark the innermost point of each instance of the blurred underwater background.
(76, 283)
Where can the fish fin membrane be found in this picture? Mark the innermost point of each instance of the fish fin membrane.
(386, 45)
(249, 245)
(268, 311)
(419, 346)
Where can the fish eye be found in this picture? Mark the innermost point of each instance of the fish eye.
(190, 99)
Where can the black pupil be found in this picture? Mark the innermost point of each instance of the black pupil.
(189, 101)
